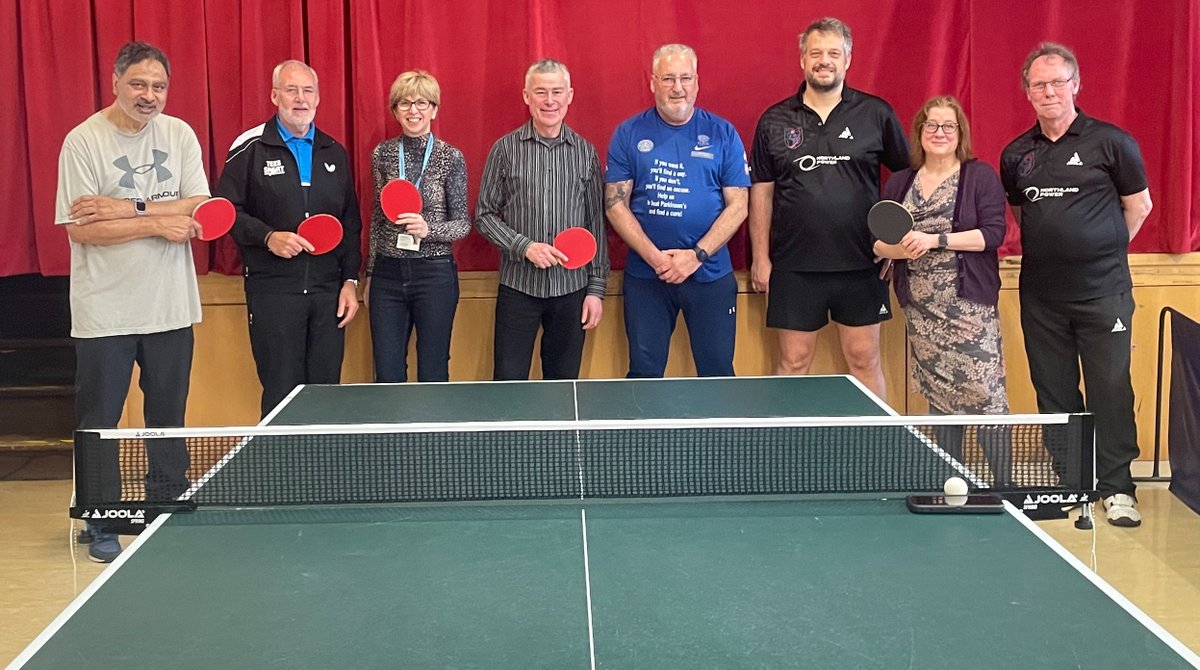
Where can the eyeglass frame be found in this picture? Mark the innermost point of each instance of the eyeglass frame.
(931, 128)
(409, 104)
(297, 91)
(1056, 84)
(669, 81)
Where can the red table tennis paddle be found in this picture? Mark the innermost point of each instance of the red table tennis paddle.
(578, 244)
(399, 196)
(215, 216)
(323, 231)
(889, 221)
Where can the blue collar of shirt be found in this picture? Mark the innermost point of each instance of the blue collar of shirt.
(287, 136)
(301, 147)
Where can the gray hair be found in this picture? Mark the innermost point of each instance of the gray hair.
(278, 71)
(673, 50)
(136, 52)
(1049, 49)
(827, 25)
(547, 66)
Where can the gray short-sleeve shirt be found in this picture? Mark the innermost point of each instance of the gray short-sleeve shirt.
(146, 285)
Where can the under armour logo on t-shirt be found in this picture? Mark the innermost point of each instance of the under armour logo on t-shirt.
(161, 173)
(1075, 159)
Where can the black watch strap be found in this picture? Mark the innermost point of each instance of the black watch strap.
(701, 254)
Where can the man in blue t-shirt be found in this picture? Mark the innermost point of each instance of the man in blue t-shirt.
(676, 192)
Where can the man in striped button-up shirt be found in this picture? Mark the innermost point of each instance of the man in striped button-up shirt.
(539, 180)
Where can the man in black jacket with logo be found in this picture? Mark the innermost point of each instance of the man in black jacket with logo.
(277, 174)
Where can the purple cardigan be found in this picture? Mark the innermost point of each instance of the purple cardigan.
(979, 204)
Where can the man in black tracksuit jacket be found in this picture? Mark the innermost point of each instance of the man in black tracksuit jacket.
(277, 174)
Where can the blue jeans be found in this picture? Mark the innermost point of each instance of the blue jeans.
(709, 309)
(408, 293)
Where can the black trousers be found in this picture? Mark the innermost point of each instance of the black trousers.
(518, 319)
(1063, 336)
(103, 367)
(295, 340)
(994, 441)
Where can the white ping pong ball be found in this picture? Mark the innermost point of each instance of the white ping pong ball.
(955, 486)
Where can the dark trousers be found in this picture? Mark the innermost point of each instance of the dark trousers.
(709, 310)
(994, 441)
(295, 340)
(1062, 336)
(413, 294)
(518, 318)
(103, 367)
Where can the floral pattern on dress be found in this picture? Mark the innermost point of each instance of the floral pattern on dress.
(957, 361)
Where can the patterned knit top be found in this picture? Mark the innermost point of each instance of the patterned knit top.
(443, 189)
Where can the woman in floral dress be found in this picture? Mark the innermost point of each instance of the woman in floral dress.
(947, 275)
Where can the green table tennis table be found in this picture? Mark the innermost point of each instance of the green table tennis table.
(754, 582)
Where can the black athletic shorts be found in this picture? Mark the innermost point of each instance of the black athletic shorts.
(808, 300)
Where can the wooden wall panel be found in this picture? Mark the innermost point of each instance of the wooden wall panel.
(225, 388)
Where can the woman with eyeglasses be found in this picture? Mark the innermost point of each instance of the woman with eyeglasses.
(947, 276)
(412, 279)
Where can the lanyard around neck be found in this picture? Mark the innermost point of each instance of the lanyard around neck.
(424, 163)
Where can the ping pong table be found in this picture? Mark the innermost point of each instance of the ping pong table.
(762, 582)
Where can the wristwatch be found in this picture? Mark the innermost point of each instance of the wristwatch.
(352, 281)
(943, 241)
(139, 207)
(701, 255)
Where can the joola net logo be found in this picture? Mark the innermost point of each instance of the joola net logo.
(130, 515)
(1034, 501)
(810, 163)
(1034, 193)
(161, 173)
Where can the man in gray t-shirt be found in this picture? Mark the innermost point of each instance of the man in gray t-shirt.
(129, 178)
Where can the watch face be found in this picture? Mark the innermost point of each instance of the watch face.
(140, 205)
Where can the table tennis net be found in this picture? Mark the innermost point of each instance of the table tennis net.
(394, 463)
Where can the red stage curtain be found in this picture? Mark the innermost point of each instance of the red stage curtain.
(1139, 70)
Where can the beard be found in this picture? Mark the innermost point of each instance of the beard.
(819, 87)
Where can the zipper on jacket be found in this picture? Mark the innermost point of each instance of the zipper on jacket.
(307, 257)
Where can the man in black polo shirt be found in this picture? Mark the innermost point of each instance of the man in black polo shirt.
(815, 174)
(1078, 189)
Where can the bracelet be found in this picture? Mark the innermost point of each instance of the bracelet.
(267, 239)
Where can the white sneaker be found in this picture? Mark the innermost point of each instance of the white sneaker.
(1121, 510)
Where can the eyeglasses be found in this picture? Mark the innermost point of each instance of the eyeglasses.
(1057, 85)
(297, 92)
(931, 128)
(421, 104)
(669, 80)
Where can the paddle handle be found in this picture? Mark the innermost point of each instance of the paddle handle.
(885, 272)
